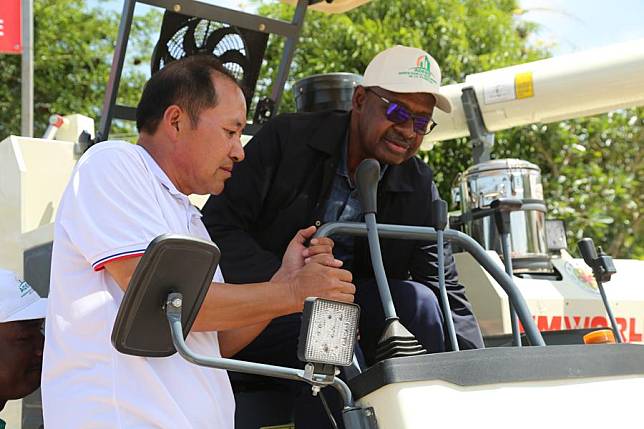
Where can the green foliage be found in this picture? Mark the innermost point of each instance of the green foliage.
(466, 37)
(73, 48)
(592, 168)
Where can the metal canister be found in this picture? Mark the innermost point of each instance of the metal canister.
(508, 178)
(325, 91)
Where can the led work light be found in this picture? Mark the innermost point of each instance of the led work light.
(328, 332)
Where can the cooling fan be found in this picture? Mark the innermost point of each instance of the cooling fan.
(240, 50)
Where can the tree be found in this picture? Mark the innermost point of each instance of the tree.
(585, 163)
(467, 37)
(73, 48)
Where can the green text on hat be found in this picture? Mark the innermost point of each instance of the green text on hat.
(422, 70)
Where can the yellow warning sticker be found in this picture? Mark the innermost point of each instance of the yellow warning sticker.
(523, 85)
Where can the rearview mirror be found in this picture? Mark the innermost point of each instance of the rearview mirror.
(171, 263)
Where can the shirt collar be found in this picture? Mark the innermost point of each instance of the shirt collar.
(159, 173)
(342, 162)
(165, 180)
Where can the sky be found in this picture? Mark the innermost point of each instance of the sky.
(565, 25)
(575, 25)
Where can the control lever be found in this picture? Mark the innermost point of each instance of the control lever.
(502, 209)
(439, 216)
(367, 176)
(587, 249)
(396, 340)
(603, 268)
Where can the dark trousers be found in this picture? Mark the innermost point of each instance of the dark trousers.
(416, 306)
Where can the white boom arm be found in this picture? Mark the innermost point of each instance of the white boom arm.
(555, 89)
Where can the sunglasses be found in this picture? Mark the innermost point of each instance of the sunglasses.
(398, 114)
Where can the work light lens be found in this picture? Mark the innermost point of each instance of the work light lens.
(331, 331)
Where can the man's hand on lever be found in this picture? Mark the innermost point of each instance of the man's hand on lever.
(305, 271)
(313, 271)
(297, 252)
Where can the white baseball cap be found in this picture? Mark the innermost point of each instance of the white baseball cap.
(404, 69)
(18, 301)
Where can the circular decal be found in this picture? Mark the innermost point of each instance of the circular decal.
(582, 275)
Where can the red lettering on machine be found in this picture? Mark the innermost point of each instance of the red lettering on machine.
(628, 326)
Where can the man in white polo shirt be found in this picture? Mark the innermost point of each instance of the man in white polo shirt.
(119, 198)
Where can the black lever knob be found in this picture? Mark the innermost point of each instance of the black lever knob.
(439, 214)
(367, 176)
(587, 249)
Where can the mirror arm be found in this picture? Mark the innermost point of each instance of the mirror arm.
(173, 314)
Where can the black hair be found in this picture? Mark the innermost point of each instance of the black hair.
(187, 83)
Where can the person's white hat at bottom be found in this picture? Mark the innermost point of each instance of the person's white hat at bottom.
(18, 301)
(405, 69)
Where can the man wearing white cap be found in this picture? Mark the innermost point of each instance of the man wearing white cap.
(299, 169)
(21, 341)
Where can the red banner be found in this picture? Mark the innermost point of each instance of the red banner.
(10, 27)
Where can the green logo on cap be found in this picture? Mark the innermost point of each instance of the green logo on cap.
(422, 70)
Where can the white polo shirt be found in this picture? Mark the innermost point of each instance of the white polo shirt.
(118, 200)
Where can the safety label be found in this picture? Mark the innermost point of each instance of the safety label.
(523, 85)
(509, 87)
(499, 91)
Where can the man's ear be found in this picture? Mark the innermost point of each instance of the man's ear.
(358, 100)
(172, 120)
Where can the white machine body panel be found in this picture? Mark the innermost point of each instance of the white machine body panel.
(557, 404)
(73, 126)
(574, 302)
(33, 175)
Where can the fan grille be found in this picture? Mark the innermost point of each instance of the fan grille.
(240, 50)
(203, 31)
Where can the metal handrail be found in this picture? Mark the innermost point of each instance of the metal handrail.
(404, 232)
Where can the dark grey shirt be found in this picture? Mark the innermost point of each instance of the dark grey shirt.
(343, 205)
